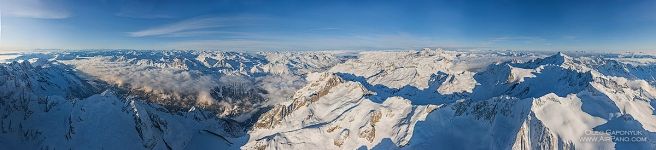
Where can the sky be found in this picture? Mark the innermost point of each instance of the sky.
(328, 25)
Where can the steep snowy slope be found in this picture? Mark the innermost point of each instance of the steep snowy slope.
(48, 107)
(331, 113)
(232, 84)
(152, 99)
(555, 102)
(430, 99)
(560, 115)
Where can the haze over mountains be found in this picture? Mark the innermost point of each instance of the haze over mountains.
(423, 99)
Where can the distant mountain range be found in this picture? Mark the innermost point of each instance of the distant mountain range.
(428, 99)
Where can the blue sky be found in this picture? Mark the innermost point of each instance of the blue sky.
(328, 25)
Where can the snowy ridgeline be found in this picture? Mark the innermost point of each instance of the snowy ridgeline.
(429, 99)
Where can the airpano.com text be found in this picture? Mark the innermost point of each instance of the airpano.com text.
(614, 136)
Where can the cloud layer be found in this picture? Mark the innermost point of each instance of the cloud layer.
(194, 26)
(167, 84)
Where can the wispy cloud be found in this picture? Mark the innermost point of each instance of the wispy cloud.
(199, 25)
(39, 9)
(345, 42)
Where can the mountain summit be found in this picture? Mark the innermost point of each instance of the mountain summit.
(298, 100)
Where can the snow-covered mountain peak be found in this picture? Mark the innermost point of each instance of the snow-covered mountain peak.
(319, 85)
(339, 109)
(397, 69)
(307, 100)
(558, 59)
